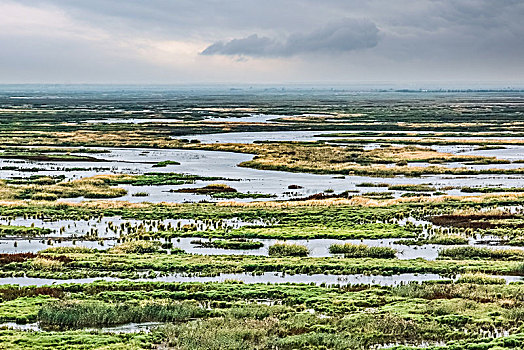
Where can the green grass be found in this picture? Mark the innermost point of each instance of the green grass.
(229, 244)
(101, 264)
(469, 252)
(412, 188)
(76, 315)
(136, 247)
(73, 340)
(7, 230)
(24, 309)
(229, 315)
(439, 239)
(288, 249)
(372, 231)
(362, 251)
(157, 179)
(241, 195)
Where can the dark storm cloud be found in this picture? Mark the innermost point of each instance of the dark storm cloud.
(342, 36)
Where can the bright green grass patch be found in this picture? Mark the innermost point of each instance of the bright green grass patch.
(288, 249)
(371, 231)
(22, 310)
(7, 230)
(469, 252)
(128, 265)
(229, 244)
(362, 251)
(73, 340)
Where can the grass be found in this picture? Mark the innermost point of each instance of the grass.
(209, 189)
(100, 264)
(241, 195)
(319, 158)
(362, 251)
(412, 188)
(469, 252)
(136, 247)
(140, 194)
(155, 179)
(8, 230)
(68, 250)
(371, 184)
(229, 314)
(75, 340)
(463, 315)
(485, 144)
(165, 163)
(91, 187)
(302, 232)
(75, 315)
(288, 249)
(517, 241)
(439, 239)
(23, 309)
(100, 186)
(42, 156)
(229, 244)
(478, 278)
(491, 189)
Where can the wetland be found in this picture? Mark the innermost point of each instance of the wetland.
(261, 219)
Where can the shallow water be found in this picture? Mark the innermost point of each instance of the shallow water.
(224, 164)
(112, 227)
(268, 277)
(125, 328)
(317, 247)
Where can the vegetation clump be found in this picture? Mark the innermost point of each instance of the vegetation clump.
(25, 231)
(140, 194)
(439, 240)
(469, 252)
(155, 179)
(68, 250)
(362, 251)
(209, 189)
(479, 278)
(229, 244)
(320, 158)
(412, 188)
(75, 314)
(136, 247)
(91, 187)
(241, 195)
(491, 189)
(288, 249)
(165, 163)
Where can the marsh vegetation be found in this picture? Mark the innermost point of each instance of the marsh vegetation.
(381, 220)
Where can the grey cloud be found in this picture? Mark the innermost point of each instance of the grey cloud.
(410, 40)
(345, 35)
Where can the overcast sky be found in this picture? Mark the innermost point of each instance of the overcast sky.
(264, 41)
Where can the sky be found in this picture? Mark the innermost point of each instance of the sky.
(264, 41)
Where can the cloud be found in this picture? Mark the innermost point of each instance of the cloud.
(187, 41)
(342, 36)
